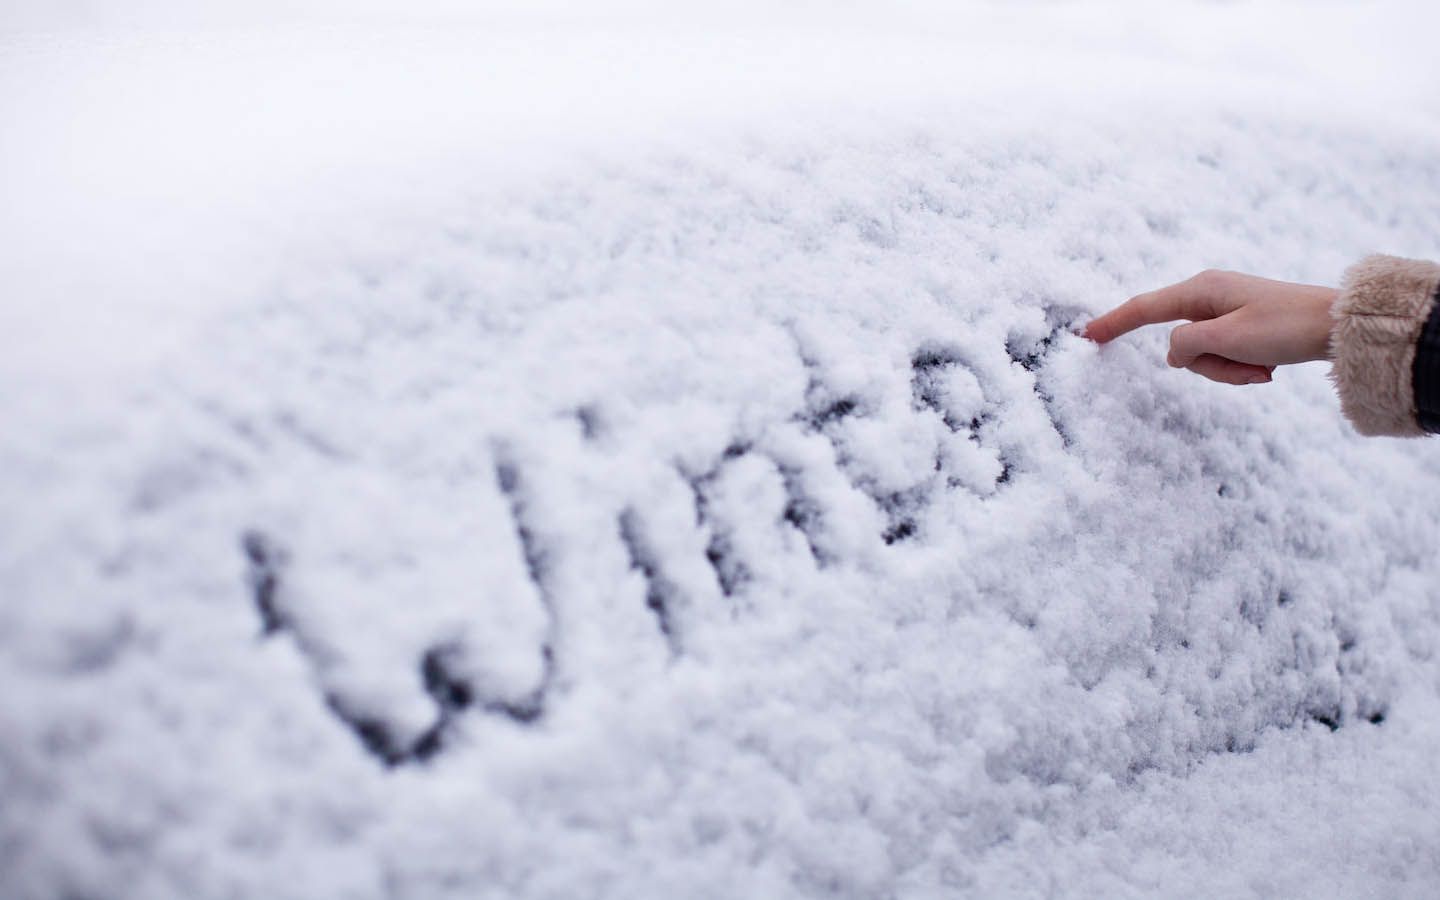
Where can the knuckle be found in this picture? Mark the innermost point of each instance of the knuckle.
(1210, 279)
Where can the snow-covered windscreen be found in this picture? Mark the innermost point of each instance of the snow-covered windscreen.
(533, 452)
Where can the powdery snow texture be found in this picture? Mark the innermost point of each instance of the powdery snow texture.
(738, 515)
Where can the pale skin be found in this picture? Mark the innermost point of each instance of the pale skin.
(1240, 329)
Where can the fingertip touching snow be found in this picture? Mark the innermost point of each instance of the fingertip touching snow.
(718, 508)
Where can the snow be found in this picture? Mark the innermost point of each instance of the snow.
(552, 454)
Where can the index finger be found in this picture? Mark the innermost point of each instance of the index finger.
(1186, 300)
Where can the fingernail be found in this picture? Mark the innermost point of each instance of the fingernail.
(1259, 379)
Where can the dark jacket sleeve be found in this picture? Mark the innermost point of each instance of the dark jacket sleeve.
(1426, 371)
(1385, 346)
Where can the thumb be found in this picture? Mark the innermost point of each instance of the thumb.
(1190, 342)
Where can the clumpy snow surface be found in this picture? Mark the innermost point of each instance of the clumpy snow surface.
(528, 454)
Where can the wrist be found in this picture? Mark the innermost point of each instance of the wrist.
(1320, 323)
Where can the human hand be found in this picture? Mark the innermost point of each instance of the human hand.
(1241, 327)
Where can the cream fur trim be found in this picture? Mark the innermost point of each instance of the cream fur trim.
(1383, 304)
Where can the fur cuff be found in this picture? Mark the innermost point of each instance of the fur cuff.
(1383, 304)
